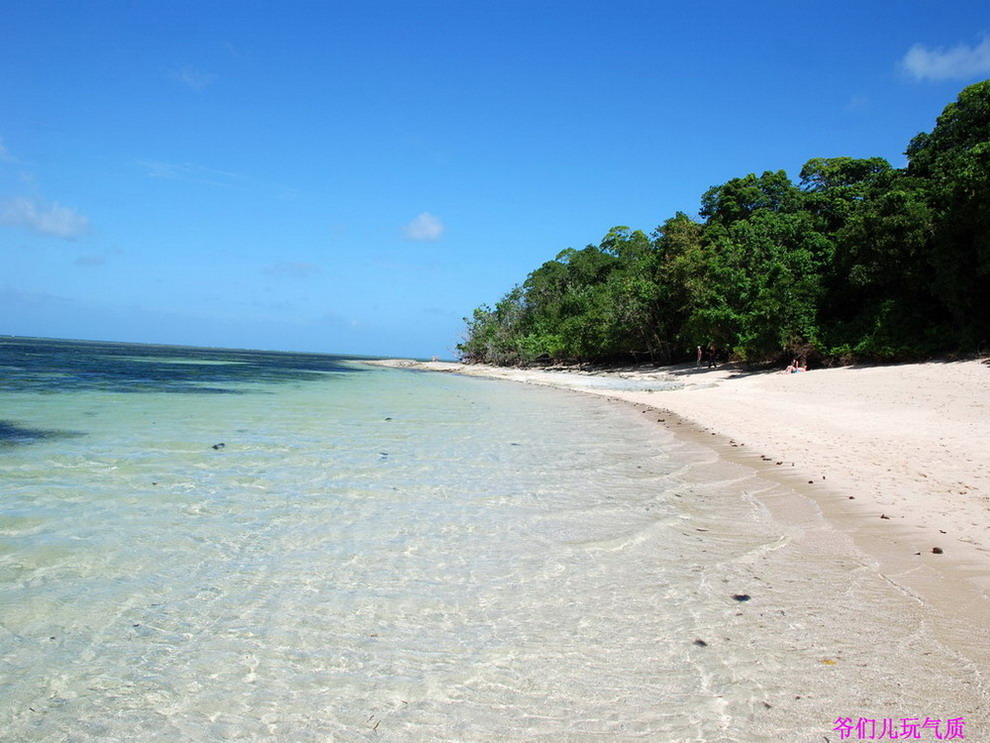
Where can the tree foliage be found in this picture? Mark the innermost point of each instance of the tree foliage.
(856, 259)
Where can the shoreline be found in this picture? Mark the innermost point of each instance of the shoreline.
(894, 456)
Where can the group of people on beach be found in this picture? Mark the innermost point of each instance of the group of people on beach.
(710, 355)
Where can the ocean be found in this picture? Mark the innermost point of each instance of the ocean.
(220, 545)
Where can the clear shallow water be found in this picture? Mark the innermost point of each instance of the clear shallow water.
(380, 554)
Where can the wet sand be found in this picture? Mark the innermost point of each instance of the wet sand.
(896, 456)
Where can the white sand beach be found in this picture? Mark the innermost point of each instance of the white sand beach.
(896, 456)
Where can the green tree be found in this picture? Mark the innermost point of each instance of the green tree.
(880, 299)
(835, 187)
(492, 335)
(632, 300)
(954, 162)
(741, 197)
(681, 283)
(565, 320)
(760, 284)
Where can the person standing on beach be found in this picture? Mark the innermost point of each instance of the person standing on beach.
(712, 357)
(698, 365)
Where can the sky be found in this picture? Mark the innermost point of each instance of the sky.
(356, 176)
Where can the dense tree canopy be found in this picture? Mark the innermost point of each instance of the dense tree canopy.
(858, 259)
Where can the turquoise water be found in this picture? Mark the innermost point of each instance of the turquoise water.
(207, 545)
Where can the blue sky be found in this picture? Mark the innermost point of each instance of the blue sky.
(356, 176)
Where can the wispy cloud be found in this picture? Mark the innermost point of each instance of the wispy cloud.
(91, 260)
(192, 173)
(959, 62)
(424, 228)
(5, 156)
(192, 78)
(51, 219)
(292, 269)
(857, 102)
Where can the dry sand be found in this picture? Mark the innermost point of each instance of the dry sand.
(898, 456)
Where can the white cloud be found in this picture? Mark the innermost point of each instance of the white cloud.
(192, 78)
(51, 219)
(424, 228)
(960, 61)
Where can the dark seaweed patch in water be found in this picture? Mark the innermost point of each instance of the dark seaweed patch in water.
(12, 434)
(44, 365)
